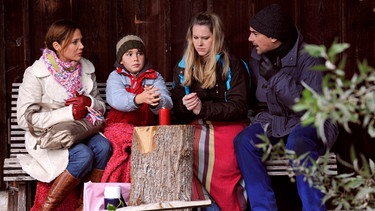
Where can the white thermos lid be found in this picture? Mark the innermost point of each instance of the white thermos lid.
(112, 192)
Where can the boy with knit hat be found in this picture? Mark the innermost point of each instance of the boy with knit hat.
(280, 66)
(135, 91)
(134, 83)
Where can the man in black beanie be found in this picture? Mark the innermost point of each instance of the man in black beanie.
(280, 65)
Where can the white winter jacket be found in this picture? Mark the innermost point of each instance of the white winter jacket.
(39, 85)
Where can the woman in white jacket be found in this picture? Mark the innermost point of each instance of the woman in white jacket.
(62, 76)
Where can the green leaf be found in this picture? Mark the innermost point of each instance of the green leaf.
(337, 48)
(372, 167)
(110, 207)
(364, 192)
(316, 50)
(341, 66)
(353, 155)
(356, 183)
(371, 128)
(320, 67)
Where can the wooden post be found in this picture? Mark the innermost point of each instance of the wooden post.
(161, 164)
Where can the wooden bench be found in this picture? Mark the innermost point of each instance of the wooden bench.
(18, 181)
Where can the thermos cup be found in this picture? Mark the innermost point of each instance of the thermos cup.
(112, 195)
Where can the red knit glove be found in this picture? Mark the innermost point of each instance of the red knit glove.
(79, 112)
(79, 100)
(79, 105)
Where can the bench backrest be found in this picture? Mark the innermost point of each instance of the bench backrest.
(16, 134)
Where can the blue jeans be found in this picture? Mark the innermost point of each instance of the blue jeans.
(83, 157)
(257, 181)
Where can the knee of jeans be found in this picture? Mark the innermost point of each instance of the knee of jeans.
(247, 135)
(104, 148)
(86, 157)
(81, 160)
(247, 143)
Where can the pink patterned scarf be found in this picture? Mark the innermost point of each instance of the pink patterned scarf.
(68, 74)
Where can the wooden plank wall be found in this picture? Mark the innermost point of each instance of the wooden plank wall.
(162, 25)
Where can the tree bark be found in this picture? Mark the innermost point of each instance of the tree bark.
(161, 164)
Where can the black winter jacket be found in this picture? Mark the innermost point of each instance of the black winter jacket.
(227, 101)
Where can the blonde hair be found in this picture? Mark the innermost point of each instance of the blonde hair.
(205, 71)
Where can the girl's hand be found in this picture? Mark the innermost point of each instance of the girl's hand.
(192, 103)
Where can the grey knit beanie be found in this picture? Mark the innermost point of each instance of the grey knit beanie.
(272, 21)
(126, 43)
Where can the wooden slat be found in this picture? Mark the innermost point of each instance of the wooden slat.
(18, 178)
(12, 163)
(169, 85)
(18, 151)
(17, 145)
(13, 171)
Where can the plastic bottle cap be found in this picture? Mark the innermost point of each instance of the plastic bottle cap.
(112, 192)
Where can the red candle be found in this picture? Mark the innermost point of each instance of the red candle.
(164, 116)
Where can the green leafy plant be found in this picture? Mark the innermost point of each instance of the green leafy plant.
(342, 101)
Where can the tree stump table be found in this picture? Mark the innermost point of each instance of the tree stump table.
(161, 164)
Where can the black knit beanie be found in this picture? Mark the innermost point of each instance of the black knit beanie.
(126, 43)
(272, 21)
